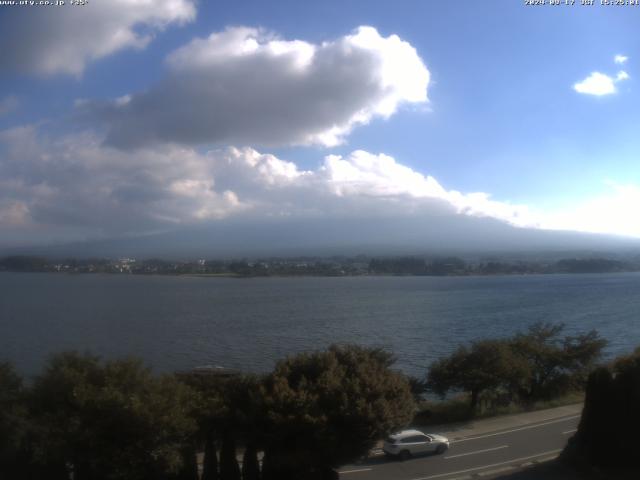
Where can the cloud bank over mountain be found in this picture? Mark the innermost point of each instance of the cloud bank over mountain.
(76, 183)
(76, 187)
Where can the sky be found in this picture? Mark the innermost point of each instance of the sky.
(131, 117)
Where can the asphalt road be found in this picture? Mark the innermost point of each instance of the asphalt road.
(472, 455)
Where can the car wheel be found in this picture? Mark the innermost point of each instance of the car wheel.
(404, 455)
(441, 448)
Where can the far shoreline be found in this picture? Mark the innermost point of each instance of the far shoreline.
(336, 266)
(370, 275)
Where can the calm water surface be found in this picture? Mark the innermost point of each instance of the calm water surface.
(180, 322)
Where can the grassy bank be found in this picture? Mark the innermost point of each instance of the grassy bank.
(457, 409)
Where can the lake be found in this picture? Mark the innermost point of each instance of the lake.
(176, 323)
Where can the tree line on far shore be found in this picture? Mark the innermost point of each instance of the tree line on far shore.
(116, 420)
(320, 266)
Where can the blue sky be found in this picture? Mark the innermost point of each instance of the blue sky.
(504, 114)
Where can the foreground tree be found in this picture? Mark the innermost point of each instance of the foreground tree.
(110, 420)
(250, 464)
(13, 424)
(329, 408)
(210, 459)
(189, 467)
(247, 409)
(485, 365)
(229, 468)
(554, 364)
(608, 430)
(538, 364)
(210, 413)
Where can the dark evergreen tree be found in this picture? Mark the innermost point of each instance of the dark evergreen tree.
(14, 427)
(268, 471)
(189, 468)
(608, 430)
(229, 468)
(210, 459)
(250, 464)
(210, 411)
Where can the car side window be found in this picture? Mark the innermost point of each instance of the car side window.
(415, 439)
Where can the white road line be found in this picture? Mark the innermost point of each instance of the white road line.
(477, 451)
(489, 466)
(570, 431)
(354, 471)
(515, 429)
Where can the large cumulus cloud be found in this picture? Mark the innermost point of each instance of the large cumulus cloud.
(76, 184)
(247, 86)
(63, 39)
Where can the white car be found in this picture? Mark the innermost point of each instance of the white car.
(407, 443)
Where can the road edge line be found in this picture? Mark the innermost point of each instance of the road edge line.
(507, 462)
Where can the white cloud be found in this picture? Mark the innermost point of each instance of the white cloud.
(614, 212)
(596, 84)
(620, 59)
(73, 183)
(63, 40)
(76, 183)
(622, 75)
(599, 84)
(248, 86)
(365, 175)
(75, 187)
